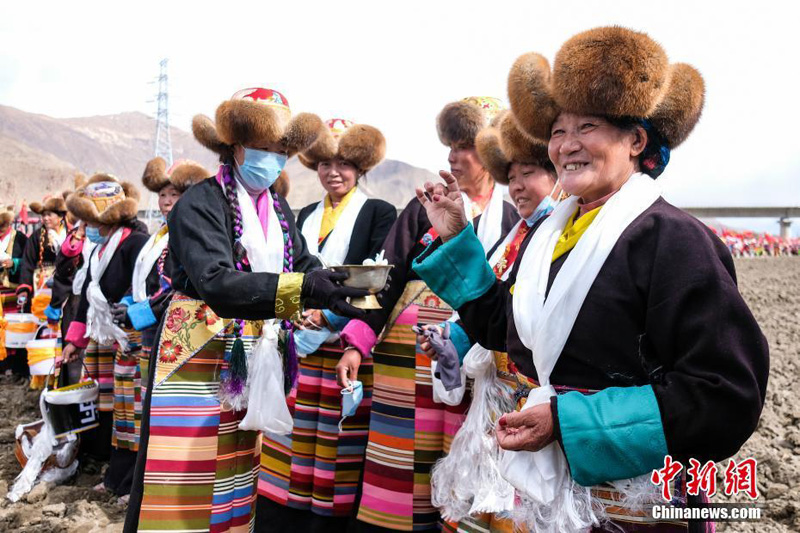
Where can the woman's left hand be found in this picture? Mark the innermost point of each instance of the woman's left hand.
(529, 430)
(347, 368)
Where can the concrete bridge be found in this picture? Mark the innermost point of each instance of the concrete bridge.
(783, 214)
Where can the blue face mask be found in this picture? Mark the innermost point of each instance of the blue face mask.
(544, 208)
(351, 399)
(260, 169)
(93, 234)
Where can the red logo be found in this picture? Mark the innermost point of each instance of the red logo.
(739, 478)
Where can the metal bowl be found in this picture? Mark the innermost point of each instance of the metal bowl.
(370, 277)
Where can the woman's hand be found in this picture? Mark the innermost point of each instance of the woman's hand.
(8, 263)
(324, 288)
(529, 430)
(313, 319)
(347, 367)
(70, 353)
(425, 343)
(444, 205)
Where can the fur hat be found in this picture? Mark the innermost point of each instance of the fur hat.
(503, 143)
(459, 122)
(6, 217)
(54, 204)
(105, 200)
(361, 145)
(253, 117)
(610, 71)
(282, 186)
(182, 175)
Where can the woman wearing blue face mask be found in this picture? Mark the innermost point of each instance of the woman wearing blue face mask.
(111, 353)
(222, 359)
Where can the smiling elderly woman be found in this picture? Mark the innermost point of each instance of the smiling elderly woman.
(630, 337)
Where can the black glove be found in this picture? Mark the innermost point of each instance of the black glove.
(119, 314)
(324, 287)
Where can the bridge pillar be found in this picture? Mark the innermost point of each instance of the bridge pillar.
(786, 227)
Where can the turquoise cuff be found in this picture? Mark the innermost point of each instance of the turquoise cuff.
(613, 434)
(141, 315)
(457, 271)
(459, 339)
(16, 262)
(335, 322)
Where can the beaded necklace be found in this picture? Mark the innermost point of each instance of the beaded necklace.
(234, 378)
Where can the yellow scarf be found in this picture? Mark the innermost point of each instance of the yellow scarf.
(163, 231)
(330, 215)
(573, 232)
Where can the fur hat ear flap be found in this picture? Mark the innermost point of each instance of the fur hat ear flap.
(362, 145)
(680, 109)
(131, 192)
(491, 154)
(206, 134)
(6, 217)
(301, 132)
(459, 123)
(324, 148)
(610, 71)
(36, 207)
(79, 180)
(187, 174)
(522, 148)
(282, 185)
(530, 95)
(82, 208)
(155, 175)
(120, 212)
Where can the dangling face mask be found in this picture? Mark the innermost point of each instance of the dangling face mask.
(260, 169)
(544, 208)
(93, 234)
(351, 399)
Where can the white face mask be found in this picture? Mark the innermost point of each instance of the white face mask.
(260, 169)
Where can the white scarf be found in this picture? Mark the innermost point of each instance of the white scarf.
(144, 264)
(544, 325)
(5, 253)
(491, 226)
(338, 242)
(99, 323)
(56, 238)
(80, 275)
(266, 404)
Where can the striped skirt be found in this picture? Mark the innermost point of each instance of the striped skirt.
(127, 395)
(317, 468)
(408, 432)
(99, 360)
(200, 469)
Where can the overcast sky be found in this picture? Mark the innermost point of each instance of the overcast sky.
(395, 67)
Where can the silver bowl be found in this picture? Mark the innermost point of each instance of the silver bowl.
(370, 277)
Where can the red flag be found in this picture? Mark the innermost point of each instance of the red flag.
(23, 213)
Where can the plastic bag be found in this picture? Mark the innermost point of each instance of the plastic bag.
(266, 404)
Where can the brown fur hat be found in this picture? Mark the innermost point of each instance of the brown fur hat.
(254, 117)
(609, 71)
(54, 204)
(282, 185)
(82, 206)
(459, 122)
(6, 217)
(362, 145)
(183, 175)
(503, 143)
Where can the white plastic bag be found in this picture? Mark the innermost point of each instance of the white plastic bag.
(266, 404)
(442, 395)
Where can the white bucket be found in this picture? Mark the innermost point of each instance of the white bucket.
(21, 328)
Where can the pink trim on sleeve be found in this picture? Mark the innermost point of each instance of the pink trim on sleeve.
(77, 334)
(360, 336)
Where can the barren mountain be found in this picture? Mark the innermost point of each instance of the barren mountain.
(39, 156)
